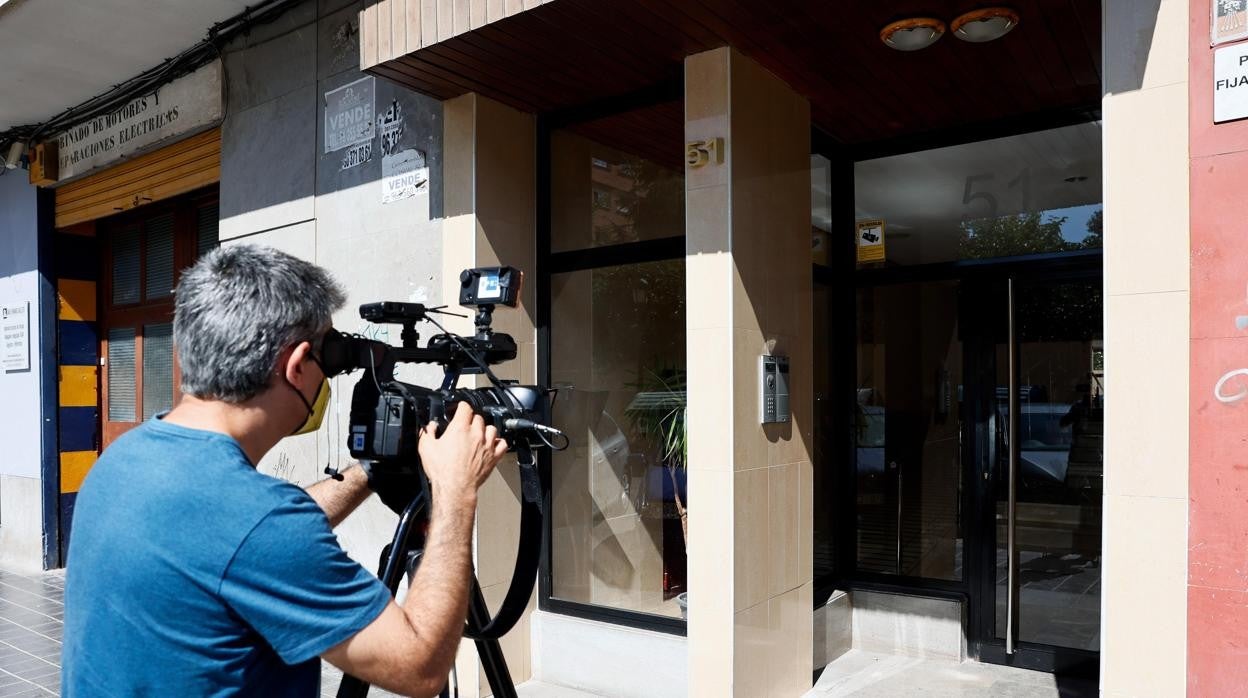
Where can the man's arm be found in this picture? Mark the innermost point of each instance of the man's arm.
(339, 498)
(410, 649)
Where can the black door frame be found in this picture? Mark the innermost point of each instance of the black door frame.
(843, 278)
(979, 349)
(977, 587)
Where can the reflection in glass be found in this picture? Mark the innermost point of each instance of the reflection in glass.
(820, 208)
(1032, 193)
(1061, 443)
(618, 357)
(617, 337)
(618, 179)
(907, 423)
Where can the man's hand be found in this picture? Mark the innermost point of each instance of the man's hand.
(459, 462)
(410, 649)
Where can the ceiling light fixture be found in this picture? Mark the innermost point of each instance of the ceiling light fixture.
(988, 24)
(912, 34)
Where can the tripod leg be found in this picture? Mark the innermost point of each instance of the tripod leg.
(491, 653)
(407, 536)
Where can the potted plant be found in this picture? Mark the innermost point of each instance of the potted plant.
(657, 414)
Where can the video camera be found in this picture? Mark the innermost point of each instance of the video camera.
(387, 415)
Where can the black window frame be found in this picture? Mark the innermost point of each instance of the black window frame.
(551, 263)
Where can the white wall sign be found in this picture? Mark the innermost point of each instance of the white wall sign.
(1230, 83)
(15, 337)
(350, 115)
(188, 103)
(403, 175)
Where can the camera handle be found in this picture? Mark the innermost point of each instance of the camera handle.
(409, 537)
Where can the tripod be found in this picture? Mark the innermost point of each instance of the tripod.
(403, 554)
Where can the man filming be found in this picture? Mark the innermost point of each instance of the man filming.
(191, 573)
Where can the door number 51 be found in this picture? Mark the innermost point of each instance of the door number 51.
(702, 153)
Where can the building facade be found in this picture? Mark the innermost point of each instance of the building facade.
(1000, 277)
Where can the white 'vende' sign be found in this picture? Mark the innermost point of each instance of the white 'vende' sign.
(186, 104)
(15, 337)
(403, 175)
(1230, 83)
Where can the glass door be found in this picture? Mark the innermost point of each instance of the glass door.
(907, 432)
(1041, 475)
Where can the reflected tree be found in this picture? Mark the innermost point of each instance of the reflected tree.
(1022, 234)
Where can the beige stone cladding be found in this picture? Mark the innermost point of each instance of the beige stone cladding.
(748, 293)
(490, 219)
(1147, 262)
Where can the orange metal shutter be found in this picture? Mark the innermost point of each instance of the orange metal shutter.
(174, 169)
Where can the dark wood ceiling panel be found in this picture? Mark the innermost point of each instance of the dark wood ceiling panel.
(566, 53)
(1061, 20)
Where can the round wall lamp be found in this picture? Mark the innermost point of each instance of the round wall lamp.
(912, 34)
(988, 24)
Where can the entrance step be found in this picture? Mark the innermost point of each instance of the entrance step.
(867, 674)
(913, 626)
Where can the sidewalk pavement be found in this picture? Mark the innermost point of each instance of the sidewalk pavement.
(32, 612)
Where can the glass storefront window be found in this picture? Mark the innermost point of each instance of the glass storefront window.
(617, 356)
(613, 182)
(1033, 193)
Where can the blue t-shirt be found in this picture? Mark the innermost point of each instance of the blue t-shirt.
(191, 574)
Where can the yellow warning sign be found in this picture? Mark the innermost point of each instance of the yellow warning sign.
(870, 241)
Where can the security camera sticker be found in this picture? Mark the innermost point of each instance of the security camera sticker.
(870, 241)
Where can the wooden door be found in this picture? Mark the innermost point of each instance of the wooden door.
(143, 254)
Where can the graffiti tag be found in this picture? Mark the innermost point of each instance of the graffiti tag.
(1219, 388)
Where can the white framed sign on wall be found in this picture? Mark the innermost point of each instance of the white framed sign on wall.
(15, 337)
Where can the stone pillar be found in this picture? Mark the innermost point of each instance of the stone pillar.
(490, 197)
(1147, 324)
(749, 293)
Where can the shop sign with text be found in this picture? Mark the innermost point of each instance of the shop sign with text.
(175, 109)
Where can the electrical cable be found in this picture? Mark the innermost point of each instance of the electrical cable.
(485, 369)
(184, 62)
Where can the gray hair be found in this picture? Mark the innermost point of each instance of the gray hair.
(240, 306)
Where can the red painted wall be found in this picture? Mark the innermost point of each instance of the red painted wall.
(1217, 593)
